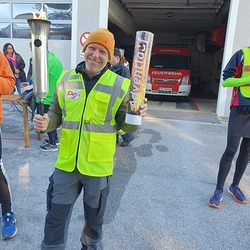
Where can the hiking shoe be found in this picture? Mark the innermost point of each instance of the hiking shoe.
(46, 141)
(216, 199)
(127, 138)
(239, 197)
(9, 226)
(49, 147)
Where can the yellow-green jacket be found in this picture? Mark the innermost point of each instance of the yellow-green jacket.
(88, 135)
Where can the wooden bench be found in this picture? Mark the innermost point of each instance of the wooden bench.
(26, 129)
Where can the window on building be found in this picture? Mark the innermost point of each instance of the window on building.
(58, 11)
(55, 13)
(21, 30)
(60, 32)
(5, 30)
(25, 10)
(5, 10)
(13, 19)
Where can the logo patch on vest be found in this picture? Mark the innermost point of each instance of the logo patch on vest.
(73, 94)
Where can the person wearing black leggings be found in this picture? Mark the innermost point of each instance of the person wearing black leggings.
(227, 158)
(237, 75)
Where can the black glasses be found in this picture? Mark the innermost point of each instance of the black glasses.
(9, 48)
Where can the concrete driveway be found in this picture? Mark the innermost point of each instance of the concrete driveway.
(159, 192)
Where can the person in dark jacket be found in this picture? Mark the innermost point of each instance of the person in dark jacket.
(17, 65)
(119, 68)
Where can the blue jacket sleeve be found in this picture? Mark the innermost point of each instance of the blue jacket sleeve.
(232, 65)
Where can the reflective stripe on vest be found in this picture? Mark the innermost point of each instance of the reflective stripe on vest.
(246, 68)
(106, 127)
(89, 127)
(245, 90)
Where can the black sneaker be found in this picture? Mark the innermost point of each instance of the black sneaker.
(46, 141)
(127, 138)
(84, 247)
(49, 147)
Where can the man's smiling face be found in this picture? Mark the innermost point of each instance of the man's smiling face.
(96, 58)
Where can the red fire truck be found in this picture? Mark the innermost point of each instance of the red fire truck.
(169, 71)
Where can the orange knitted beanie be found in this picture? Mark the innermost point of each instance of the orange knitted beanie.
(103, 37)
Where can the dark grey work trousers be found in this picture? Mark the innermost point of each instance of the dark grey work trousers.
(63, 191)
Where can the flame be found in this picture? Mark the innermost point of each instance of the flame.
(42, 15)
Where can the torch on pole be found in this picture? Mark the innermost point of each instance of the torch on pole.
(39, 38)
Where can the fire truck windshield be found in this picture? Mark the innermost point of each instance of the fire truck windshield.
(170, 62)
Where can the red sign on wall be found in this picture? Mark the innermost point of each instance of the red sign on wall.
(84, 37)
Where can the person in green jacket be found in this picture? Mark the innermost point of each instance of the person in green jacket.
(55, 69)
(89, 102)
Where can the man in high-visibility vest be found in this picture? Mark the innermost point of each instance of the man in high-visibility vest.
(89, 102)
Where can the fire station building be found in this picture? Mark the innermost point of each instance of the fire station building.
(72, 20)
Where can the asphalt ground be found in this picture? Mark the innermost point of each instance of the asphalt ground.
(159, 190)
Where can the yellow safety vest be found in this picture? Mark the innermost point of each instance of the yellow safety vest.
(88, 135)
(245, 90)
